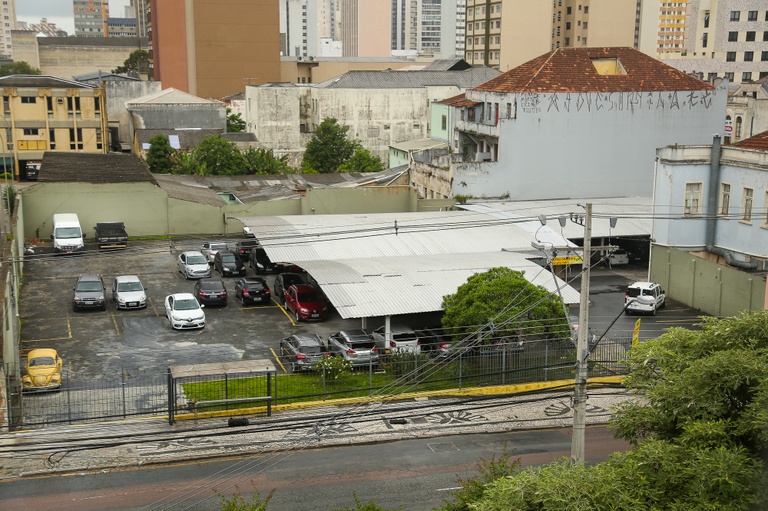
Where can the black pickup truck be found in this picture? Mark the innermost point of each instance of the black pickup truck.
(111, 235)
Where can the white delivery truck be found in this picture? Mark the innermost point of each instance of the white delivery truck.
(67, 235)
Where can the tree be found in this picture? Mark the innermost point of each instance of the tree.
(159, 155)
(136, 62)
(235, 122)
(18, 68)
(219, 156)
(362, 160)
(328, 148)
(504, 297)
(264, 161)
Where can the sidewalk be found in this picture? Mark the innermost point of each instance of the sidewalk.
(137, 443)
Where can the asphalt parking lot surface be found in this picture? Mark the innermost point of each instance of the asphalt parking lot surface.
(101, 344)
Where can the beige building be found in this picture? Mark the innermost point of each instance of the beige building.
(44, 113)
(8, 23)
(91, 18)
(506, 33)
(366, 28)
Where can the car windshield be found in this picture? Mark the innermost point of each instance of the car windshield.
(68, 232)
(291, 280)
(89, 285)
(309, 297)
(196, 259)
(41, 361)
(228, 258)
(185, 304)
(127, 287)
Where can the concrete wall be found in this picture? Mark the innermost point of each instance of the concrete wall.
(117, 94)
(590, 145)
(704, 285)
(67, 60)
(438, 111)
(179, 116)
(25, 47)
(148, 211)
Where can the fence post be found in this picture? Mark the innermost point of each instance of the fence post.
(226, 390)
(503, 363)
(461, 356)
(370, 376)
(269, 393)
(122, 386)
(171, 398)
(69, 399)
(546, 360)
(323, 382)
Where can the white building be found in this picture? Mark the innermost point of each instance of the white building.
(9, 23)
(575, 122)
(380, 108)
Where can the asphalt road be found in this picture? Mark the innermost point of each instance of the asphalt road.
(416, 474)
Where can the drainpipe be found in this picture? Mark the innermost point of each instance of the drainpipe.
(714, 181)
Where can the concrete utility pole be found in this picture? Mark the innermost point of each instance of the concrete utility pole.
(582, 349)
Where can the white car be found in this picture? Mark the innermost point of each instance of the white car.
(644, 298)
(128, 292)
(618, 257)
(403, 340)
(184, 312)
(193, 265)
(210, 249)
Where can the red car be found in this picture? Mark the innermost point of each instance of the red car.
(305, 303)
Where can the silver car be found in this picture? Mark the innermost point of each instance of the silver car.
(210, 249)
(356, 346)
(128, 292)
(193, 265)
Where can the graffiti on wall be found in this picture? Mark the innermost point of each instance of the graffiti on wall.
(532, 103)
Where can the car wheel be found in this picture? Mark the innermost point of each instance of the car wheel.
(242, 299)
(104, 306)
(74, 308)
(653, 312)
(296, 315)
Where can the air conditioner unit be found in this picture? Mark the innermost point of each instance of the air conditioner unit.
(60, 101)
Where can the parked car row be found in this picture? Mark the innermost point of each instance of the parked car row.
(89, 292)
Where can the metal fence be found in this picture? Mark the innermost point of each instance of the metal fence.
(146, 393)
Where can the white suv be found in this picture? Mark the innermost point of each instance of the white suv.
(644, 297)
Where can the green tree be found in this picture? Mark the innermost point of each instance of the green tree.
(328, 148)
(235, 122)
(504, 298)
(218, 156)
(264, 161)
(18, 68)
(159, 155)
(136, 62)
(362, 160)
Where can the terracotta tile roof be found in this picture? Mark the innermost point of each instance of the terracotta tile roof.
(572, 70)
(61, 167)
(460, 100)
(759, 142)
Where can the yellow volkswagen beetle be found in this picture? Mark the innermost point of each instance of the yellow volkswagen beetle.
(43, 370)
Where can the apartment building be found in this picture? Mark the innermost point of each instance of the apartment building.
(8, 11)
(428, 27)
(91, 18)
(45, 113)
(212, 48)
(365, 28)
(506, 33)
(723, 39)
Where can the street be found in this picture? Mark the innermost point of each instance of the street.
(417, 474)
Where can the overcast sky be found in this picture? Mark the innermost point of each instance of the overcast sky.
(59, 12)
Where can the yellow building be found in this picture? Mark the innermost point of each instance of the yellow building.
(45, 113)
(506, 33)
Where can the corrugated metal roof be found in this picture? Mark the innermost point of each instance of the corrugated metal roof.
(383, 286)
(410, 79)
(400, 263)
(634, 215)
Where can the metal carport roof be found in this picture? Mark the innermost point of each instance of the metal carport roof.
(384, 286)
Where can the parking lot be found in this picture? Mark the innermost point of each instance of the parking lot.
(96, 344)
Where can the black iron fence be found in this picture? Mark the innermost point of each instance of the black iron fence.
(155, 393)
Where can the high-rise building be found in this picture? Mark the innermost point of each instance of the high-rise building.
(138, 9)
(428, 27)
(9, 23)
(91, 18)
(303, 25)
(506, 33)
(213, 48)
(365, 28)
(717, 39)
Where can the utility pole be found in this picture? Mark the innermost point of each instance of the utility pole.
(582, 349)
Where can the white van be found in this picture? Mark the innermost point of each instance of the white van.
(67, 235)
(644, 297)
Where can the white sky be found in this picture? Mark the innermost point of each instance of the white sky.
(59, 12)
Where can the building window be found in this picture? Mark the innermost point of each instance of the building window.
(706, 20)
(584, 25)
(750, 36)
(725, 199)
(99, 141)
(692, 199)
(31, 131)
(29, 99)
(733, 36)
(746, 76)
(97, 105)
(568, 11)
(52, 138)
(737, 130)
(730, 56)
(764, 56)
(75, 138)
(567, 41)
(586, 9)
(748, 56)
(567, 25)
(444, 123)
(746, 205)
(704, 39)
(711, 77)
(752, 16)
(729, 76)
(735, 15)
